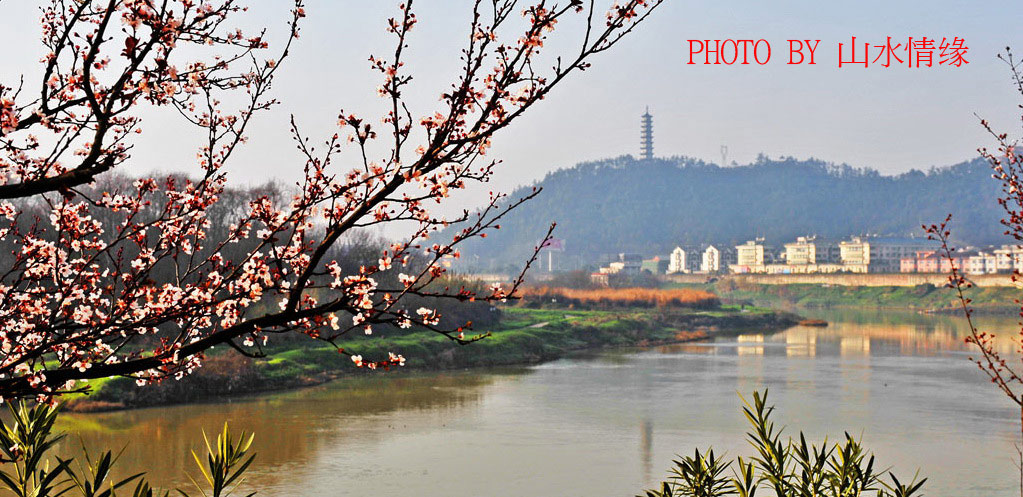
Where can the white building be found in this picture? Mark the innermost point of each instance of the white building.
(749, 258)
(625, 264)
(750, 253)
(981, 263)
(711, 260)
(802, 252)
(677, 261)
(1009, 258)
(855, 252)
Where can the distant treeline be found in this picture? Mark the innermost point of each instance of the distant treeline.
(649, 206)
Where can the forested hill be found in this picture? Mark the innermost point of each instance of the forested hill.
(648, 207)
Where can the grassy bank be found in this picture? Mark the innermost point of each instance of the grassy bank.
(928, 298)
(523, 336)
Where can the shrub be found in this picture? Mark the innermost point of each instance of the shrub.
(29, 469)
(790, 468)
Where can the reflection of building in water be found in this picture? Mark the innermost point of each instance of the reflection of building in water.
(756, 347)
(801, 342)
(920, 336)
(646, 447)
(855, 345)
(921, 339)
(689, 348)
(751, 363)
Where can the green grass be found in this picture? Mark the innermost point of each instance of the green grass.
(94, 384)
(515, 340)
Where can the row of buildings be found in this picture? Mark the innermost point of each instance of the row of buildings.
(709, 261)
(627, 264)
(807, 255)
(1005, 259)
(804, 255)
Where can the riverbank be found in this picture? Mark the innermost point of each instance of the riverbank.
(524, 336)
(921, 298)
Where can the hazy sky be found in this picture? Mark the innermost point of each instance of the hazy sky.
(891, 119)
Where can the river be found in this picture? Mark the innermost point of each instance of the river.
(607, 423)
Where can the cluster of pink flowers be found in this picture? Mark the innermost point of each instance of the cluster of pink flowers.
(132, 280)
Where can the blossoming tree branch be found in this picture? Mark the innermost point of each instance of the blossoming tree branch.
(129, 279)
(1006, 161)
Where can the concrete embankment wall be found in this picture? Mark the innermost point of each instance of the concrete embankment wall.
(897, 279)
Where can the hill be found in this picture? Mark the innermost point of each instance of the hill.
(649, 206)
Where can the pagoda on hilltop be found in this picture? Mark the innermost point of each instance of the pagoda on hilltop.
(646, 136)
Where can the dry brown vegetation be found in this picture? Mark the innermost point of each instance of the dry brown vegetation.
(619, 297)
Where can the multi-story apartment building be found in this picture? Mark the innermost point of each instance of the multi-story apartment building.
(908, 265)
(980, 263)
(749, 258)
(828, 252)
(1001, 260)
(946, 264)
(711, 262)
(1008, 258)
(854, 252)
(677, 261)
(802, 252)
(750, 253)
(928, 261)
(886, 254)
(624, 263)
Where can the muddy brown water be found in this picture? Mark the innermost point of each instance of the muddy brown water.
(607, 423)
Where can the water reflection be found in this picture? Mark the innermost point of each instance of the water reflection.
(855, 346)
(801, 342)
(293, 429)
(646, 444)
(570, 427)
(750, 345)
(865, 333)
